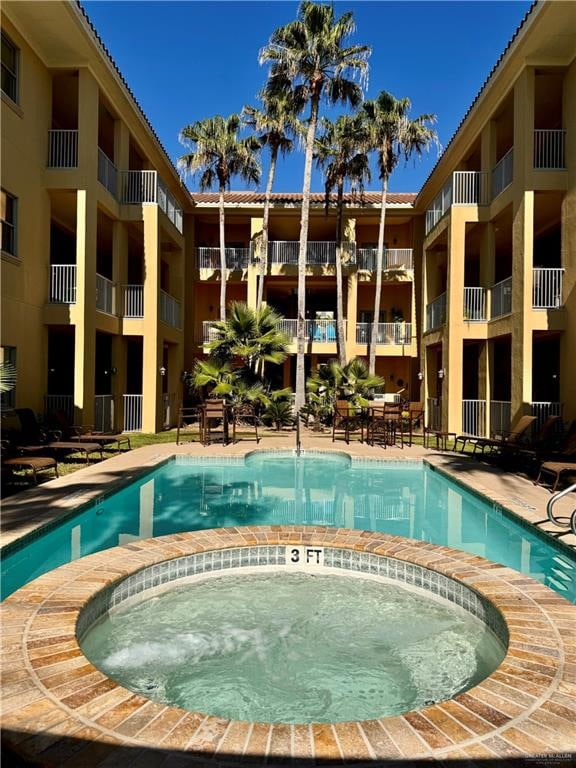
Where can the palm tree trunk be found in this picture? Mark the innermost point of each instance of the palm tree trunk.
(265, 218)
(340, 335)
(378, 291)
(223, 273)
(300, 377)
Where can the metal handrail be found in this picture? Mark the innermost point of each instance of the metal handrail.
(573, 522)
(553, 500)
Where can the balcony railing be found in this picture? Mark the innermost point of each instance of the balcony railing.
(436, 313)
(63, 283)
(133, 301)
(132, 413)
(63, 149)
(502, 173)
(104, 413)
(319, 331)
(105, 295)
(474, 417)
(542, 410)
(474, 304)
(138, 187)
(547, 287)
(463, 188)
(236, 258)
(549, 150)
(500, 415)
(434, 413)
(59, 404)
(107, 173)
(387, 333)
(318, 252)
(501, 298)
(169, 310)
(169, 205)
(394, 259)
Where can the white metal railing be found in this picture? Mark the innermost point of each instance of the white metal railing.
(138, 187)
(547, 287)
(463, 188)
(387, 333)
(169, 310)
(474, 417)
(104, 413)
(63, 283)
(393, 258)
(209, 258)
(59, 404)
(434, 413)
(168, 402)
(169, 205)
(105, 295)
(502, 173)
(549, 150)
(318, 252)
(474, 304)
(436, 312)
(209, 333)
(132, 413)
(63, 149)
(107, 173)
(542, 410)
(501, 298)
(133, 301)
(500, 416)
(323, 331)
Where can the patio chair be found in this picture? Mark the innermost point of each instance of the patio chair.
(188, 417)
(414, 417)
(245, 416)
(384, 423)
(214, 420)
(346, 419)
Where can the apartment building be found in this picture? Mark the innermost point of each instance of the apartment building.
(111, 269)
(499, 254)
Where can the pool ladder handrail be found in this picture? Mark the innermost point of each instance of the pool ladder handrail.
(552, 502)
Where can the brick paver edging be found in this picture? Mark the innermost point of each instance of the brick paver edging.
(60, 710)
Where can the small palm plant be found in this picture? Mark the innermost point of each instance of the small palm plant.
(217, 155)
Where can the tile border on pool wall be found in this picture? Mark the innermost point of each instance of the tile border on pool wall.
(223, 560)
(51, 691)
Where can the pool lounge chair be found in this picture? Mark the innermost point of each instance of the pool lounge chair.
(35, 464)
(503, 442)
(557, 469)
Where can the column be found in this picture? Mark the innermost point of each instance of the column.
(453, 329)
(152, 341)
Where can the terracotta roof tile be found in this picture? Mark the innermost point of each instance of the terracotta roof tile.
(257, 198)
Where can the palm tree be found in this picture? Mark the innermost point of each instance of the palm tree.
(339, 152)
(274, 125)
(253, 335)
(392, 135)
(308, 55)
(217, 156)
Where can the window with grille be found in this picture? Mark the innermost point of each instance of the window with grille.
(9, 68)
(8, 206)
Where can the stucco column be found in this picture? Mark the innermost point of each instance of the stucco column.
(453, 329)
(152, 340)
(119, 277)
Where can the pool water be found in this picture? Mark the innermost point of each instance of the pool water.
(403, 498)
(294, 648)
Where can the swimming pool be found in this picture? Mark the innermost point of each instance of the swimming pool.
(405, 498)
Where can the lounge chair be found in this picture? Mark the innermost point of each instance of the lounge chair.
(563, 462)
(501, 442)
(85, 435)
(34, 463)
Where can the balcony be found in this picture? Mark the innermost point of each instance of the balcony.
(395, 259)
(133, 301)
(137, 187)
(62, 149)
(547, 288)
(436, 313)
(209, 258)
(105, 295)
(170, 310)
(474, 304)
(542, 410)
(397, 334)
(549, 150)
(62, 284)
(317, 331)
(107, 173)
(318, 252)
(463, 188)
(501, 298)
(502, 173)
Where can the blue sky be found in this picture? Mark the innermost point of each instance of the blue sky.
(185, 61)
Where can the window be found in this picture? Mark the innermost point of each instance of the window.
(9, 68)
(8, 206)
(8, 359)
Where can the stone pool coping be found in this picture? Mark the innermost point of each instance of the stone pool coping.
(60, 710)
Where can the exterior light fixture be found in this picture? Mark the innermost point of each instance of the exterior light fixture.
(441, 373)
(420, 375)
(162, 371)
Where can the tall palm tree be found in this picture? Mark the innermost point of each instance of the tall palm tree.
(339, 152)
(217, 156)
(275, 125)
(393, 135)
(310, 56)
